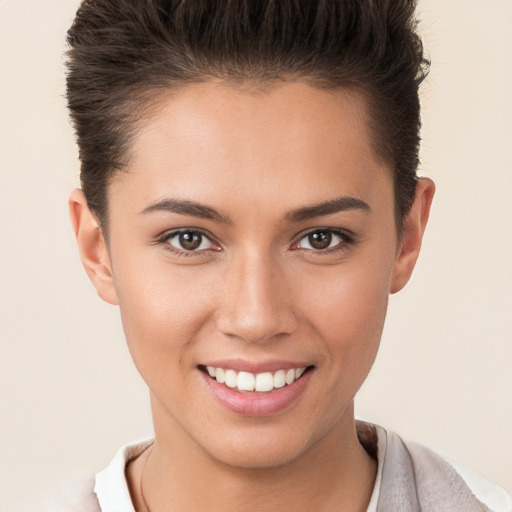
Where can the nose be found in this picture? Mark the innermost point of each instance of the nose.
(257, 302)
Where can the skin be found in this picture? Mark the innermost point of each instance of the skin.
(257, 291)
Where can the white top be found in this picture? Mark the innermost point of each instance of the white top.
(111, 486)
(409, 478)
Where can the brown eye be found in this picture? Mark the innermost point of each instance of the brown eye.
(323, 239)
(320, 239)
(189, 241)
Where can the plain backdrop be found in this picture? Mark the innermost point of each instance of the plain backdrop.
(69, 393)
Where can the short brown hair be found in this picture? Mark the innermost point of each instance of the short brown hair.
(123, 53)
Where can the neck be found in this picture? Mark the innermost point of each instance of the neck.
(333, 473)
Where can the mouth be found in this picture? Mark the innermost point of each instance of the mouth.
(258, 393)
(247, 382)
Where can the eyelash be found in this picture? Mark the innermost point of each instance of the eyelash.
(347, 239)
(169, 235)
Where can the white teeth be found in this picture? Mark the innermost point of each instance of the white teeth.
(264, 382)
(279, 379)
(299, 372)
(260, 382)
(220, 375)
(245, 381)
(231, 378)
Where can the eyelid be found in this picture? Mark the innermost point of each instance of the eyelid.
(171, 233)
(348, 239)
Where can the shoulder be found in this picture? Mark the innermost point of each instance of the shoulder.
(412, 472)
(78, 497)
(111, 486)
(436, 470)
(107, 492)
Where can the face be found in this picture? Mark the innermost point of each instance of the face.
(252, 243)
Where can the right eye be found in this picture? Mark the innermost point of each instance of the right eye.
(189, 240)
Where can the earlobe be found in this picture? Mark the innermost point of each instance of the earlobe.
(92, 247)
(412, 234)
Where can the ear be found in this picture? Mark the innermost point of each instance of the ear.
(92, 247)
(412, 234)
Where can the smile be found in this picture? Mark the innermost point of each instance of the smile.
(259, 382)
(256, 389)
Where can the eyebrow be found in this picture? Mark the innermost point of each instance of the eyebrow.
(184, 207)
(194, 209)
(327, 208)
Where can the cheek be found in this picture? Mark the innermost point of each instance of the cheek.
(347, 308)
(162, 310)
(344, 311)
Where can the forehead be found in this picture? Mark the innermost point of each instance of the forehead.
(212, 140)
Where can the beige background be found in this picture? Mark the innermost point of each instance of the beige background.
(69, 394)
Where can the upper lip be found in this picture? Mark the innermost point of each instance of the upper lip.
(243, 365)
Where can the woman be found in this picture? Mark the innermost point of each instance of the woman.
(250, 200)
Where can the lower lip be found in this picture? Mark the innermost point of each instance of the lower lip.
(256, 404)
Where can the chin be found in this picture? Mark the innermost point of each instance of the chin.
(262, 448)
(256, 457)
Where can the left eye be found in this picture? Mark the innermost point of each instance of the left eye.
(189, 241)
(321, 240)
